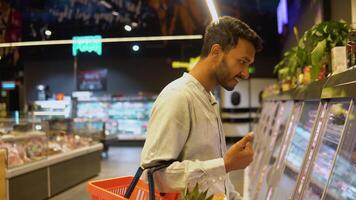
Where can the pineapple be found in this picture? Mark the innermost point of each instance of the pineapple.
(196, 195)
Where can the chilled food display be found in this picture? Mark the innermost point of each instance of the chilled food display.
(263, 136)
(296, 151)
(283, 123)
(276, 139)
(97, 110)
(121, 116)
(33, 140)
(337, 113)
(24, 148)
(300, 140)
(53, 108)
(342, 184)
(66, 142)
(130, 110)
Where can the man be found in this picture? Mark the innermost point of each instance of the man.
(185, 125)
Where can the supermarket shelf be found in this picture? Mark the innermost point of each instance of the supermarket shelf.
(50, 113)
(319, 185)
(22, 137)
(52, 160)
(340, 85)
(292, 167)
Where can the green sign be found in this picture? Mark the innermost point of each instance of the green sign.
(87, 44)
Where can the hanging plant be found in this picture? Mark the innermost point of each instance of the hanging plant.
(318, 41)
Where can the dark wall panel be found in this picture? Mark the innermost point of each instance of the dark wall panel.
(125, 76)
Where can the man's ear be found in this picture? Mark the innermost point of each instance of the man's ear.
(215, 51)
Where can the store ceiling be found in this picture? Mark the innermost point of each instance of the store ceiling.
(67, 18)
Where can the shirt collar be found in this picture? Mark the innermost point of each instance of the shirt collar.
(209, 95)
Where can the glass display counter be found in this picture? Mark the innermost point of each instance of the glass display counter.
(39, 151)
(316, 158)
(313, 183)
(273, 149)
(296, 151)
(125, 118)
(342, 183)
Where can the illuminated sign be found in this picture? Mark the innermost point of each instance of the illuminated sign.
(188, 65)
(282, 15)
(251, 70)
(8, 85)
(87, 44)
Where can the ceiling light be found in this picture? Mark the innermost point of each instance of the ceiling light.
(134, 24)
(212, 10)
(104, 40)
(128, 28)
(48, 32)
(106, 4)
(135, 47)
(115, 13)
(40, 87)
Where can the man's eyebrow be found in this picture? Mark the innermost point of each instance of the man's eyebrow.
(246, 59)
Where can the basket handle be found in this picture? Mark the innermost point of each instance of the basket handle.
(133, 183)
(150, 171)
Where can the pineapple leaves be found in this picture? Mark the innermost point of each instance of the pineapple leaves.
(195, 194)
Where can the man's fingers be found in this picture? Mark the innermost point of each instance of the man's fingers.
(248, 146)
(248, 138)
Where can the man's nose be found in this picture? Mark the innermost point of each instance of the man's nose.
(245, 73)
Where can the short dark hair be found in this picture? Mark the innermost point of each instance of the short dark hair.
(226, 32)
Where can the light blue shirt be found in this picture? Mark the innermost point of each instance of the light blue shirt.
(185, 125)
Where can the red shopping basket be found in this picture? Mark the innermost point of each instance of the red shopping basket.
(127, 188)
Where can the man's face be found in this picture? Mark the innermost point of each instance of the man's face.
(234, 64)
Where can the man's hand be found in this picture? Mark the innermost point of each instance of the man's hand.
(240, 154)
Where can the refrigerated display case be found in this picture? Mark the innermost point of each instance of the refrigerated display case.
(48, 109)
(265, 135)
(297, 150)
(318, 161)
(125, 118)
(272, 150)
(38, 151)
(24, 143)
(261, 137)
(342, 183)
(314, 179)
(93, 110)
(131, 115)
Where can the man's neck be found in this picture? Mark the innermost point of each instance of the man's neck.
(202, 71)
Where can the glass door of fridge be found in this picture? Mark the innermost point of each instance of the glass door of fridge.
(273, 144)
(322, 152)
(342, 181)
(297, 150)
(280, 151)
(261, 142)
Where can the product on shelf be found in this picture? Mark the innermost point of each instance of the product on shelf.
(120, 115)
(24, 147)
(296, 151)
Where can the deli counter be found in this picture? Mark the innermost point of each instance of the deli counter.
(305, 143)
(37, 152)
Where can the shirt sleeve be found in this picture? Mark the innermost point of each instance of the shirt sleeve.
(168, 131)
(233, 194)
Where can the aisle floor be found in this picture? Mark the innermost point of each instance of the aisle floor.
(123, 161)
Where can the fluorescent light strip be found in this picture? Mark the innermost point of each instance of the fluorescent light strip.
(104, 40)
(212, 10)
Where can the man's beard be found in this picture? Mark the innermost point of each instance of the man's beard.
(222, 75)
